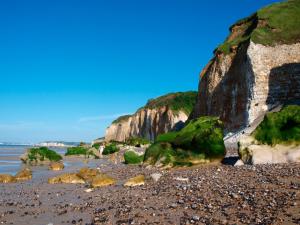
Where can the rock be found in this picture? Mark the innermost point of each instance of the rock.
(56, 166)
(253, 153)
(87, 173)
(102, 180)
(135, 181)
(239, 163)
(181, 179)
(156, 176)
(88, 190)
(67, 178)
(7, 178)
(24, 175)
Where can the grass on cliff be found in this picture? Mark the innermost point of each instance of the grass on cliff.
(121, 119)
(278, 23)
(184, 101)
(201, 139)
(280, 127)
(132, 157)
(111, 148)
(80, 150)
(42, 154)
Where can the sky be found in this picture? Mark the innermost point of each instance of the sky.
(70, 67)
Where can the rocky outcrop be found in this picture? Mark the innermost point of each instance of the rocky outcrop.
(159, 116)
(252, 72)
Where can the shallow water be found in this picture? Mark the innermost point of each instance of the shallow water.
(10, 157)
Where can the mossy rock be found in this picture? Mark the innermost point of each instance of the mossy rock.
(67, 178)
(200, 141)
(280, 127)
(84, 151)
(41, 155)
(7, 178)
(24, 175)
(135, 181)
(132, 157)
(102, 180)
(110, 149)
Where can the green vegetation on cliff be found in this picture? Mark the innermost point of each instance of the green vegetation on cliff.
(184, 101)
(42, 154)
(137, 141)
(201, 140)
(179, 101)
(280, 127)
(278, 23)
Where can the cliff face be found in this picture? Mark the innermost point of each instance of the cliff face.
(245, 79)
(159, 116)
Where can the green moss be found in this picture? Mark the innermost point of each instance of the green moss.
(280, 127)
(80, 150)
(132, 157)
(137, 141)
(200, 140)
(109, 149)
(278, 23)
(43, 153)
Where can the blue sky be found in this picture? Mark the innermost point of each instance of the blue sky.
(69, 67)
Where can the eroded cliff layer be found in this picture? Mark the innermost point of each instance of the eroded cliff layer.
(256, 69)
(160, 115)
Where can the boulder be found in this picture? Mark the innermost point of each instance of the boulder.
(7, 178)
(135, 181)
(251, 152)
(88, 174)
(24, 175)
(56, 166)
(67, 178)
(102, 180)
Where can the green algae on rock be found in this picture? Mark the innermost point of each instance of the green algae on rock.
(200, 141)
(41, 155)
(132, 157)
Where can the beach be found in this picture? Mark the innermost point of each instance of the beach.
(208, 194)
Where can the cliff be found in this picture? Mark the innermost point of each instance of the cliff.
(160, 115)
(256, 69)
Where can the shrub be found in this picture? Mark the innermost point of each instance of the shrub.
(280, 127)
(96, 145)
(43, 153)
(132, 157)
(109, 149)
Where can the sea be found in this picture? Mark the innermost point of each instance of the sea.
(10, 162)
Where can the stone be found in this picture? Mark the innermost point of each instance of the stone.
(7, 178)
(67, 178)
(135, 181)
(102, 180)
(88, 173)
(56, 166)
(156, 176)
(239, 163)
(24, 175)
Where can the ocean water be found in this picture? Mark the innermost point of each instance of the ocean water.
(10, 157)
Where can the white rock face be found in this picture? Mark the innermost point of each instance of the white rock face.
(242, 86)
(253, 153)
(146, 123)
